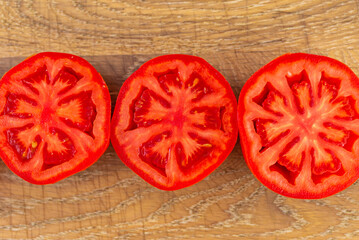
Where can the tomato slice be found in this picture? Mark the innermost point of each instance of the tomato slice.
(298, 122)
(174, 121)
(55, 115)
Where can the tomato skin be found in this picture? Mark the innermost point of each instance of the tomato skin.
(32, 173)
(160, 64)
(248, 140)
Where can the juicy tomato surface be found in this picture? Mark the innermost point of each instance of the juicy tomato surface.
(55, 115)
(174, 121)
(298, 123)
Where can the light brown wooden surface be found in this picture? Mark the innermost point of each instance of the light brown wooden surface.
(108, 201)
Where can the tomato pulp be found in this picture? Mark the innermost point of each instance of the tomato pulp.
(174, 121)
(54, 117)
(298, 123)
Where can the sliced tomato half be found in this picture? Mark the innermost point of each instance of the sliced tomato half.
(54, 117)
(174, 121)
(298, 122)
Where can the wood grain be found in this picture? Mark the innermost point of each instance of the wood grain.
(108, 201)
(106, 27)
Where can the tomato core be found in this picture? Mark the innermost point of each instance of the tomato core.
(178, 119)
(46, 114)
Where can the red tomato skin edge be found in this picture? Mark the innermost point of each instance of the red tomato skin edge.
(245, 142)
(122, 155)
(96, 155)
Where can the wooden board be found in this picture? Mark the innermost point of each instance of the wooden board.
(107, 27)
(108, 201)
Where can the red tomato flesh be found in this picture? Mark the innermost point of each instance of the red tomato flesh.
(174, 121)
(54, 117)
(298, 123)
